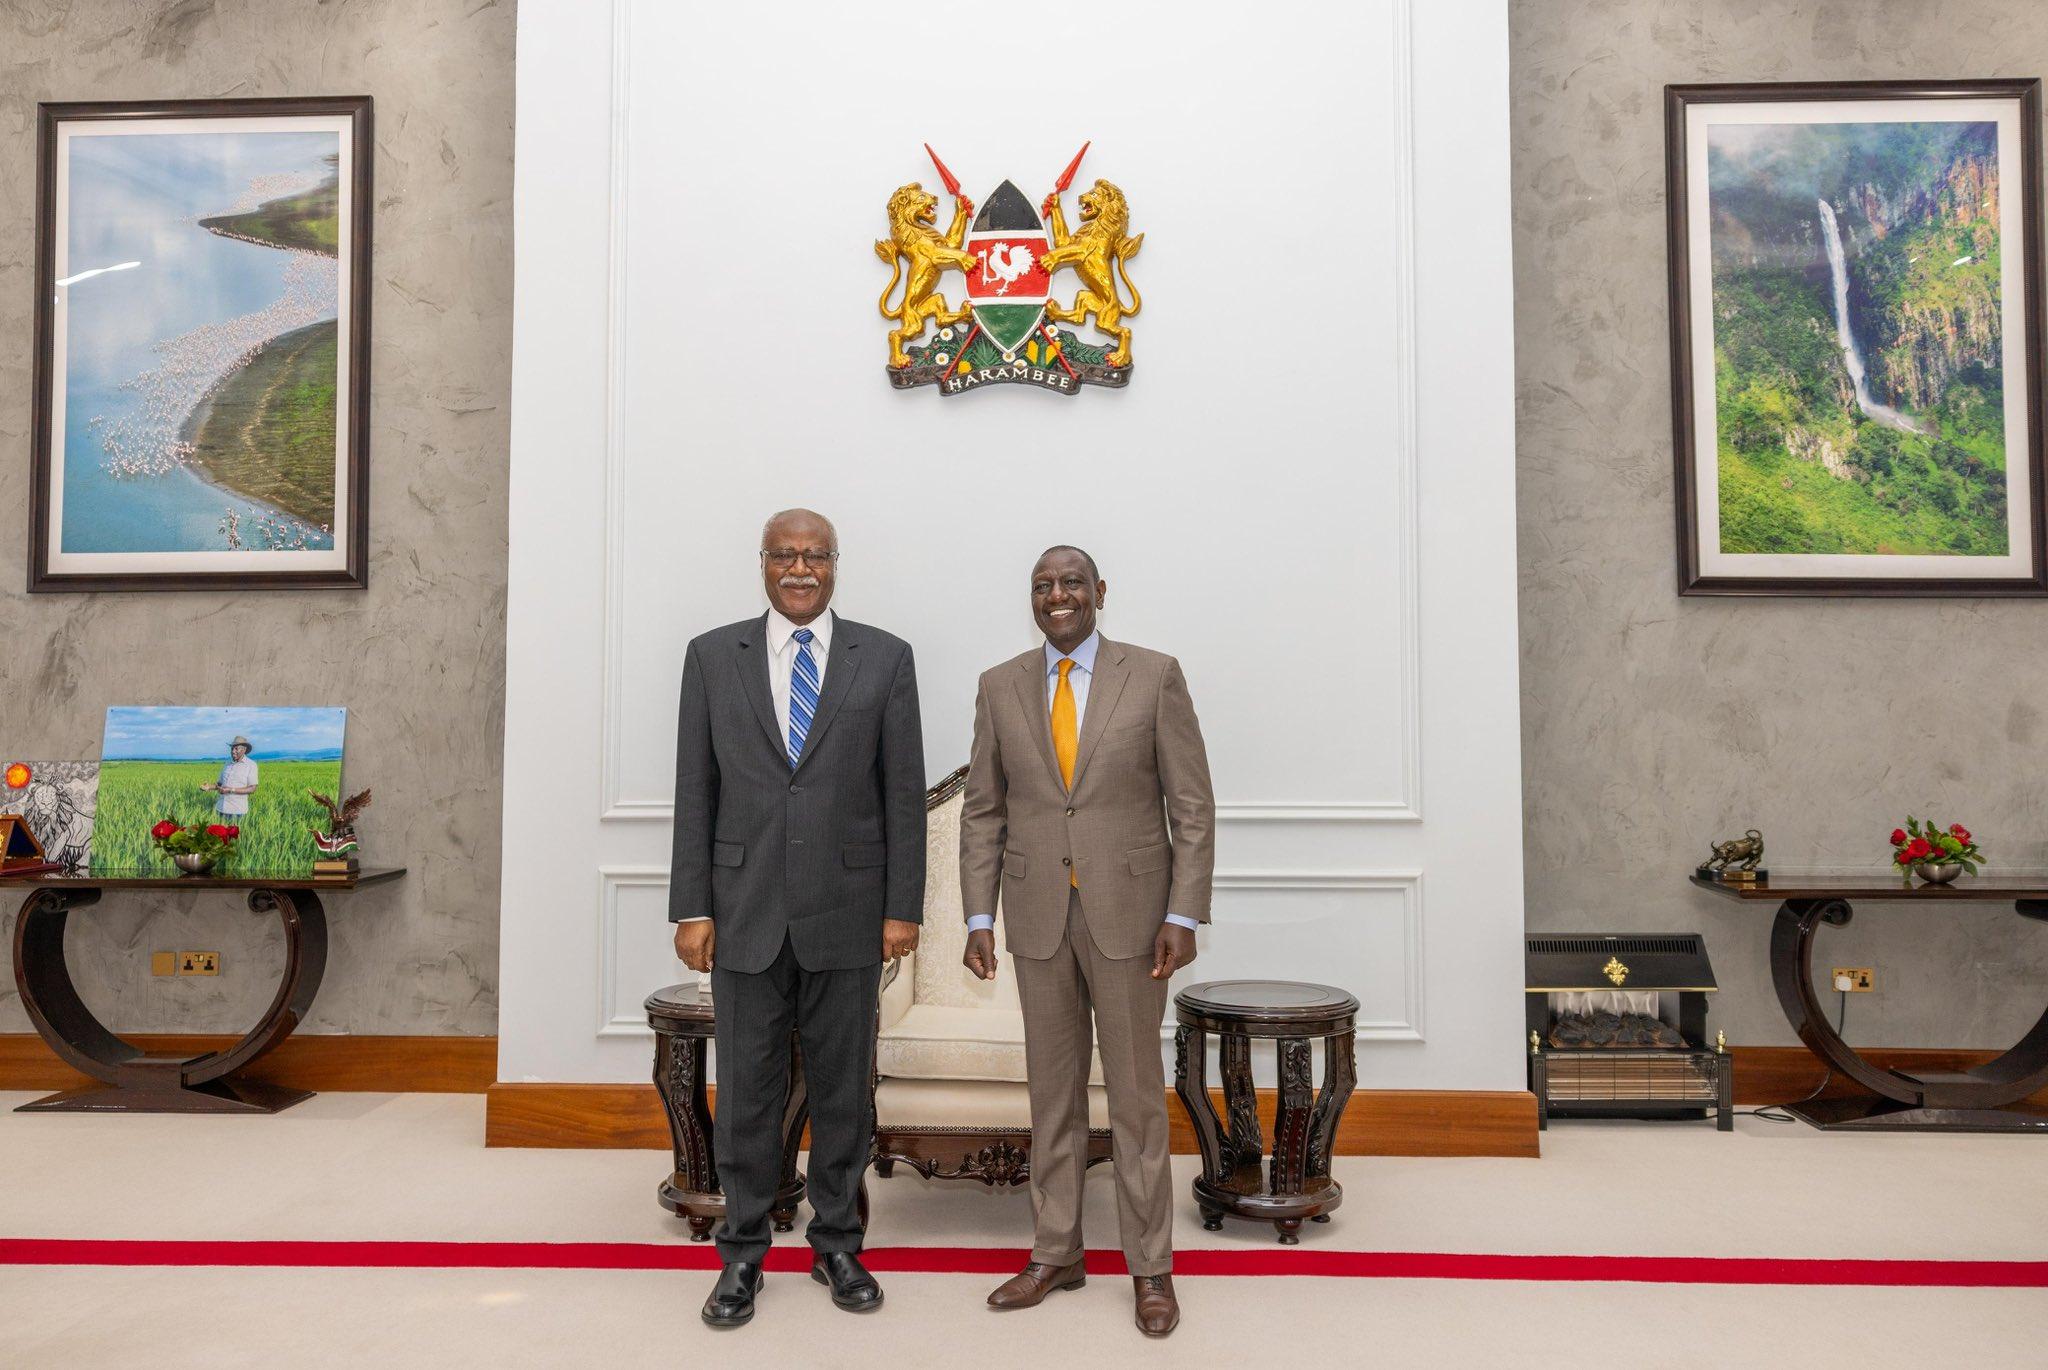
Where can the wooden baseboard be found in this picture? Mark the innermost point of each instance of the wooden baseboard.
(319, 1062)
(1378, 1122)
(1782, 1075)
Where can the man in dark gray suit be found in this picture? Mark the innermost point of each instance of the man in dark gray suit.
(798, 866)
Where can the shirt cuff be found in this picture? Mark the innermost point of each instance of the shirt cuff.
(981, 922)
(1178, 921)
(694, 918)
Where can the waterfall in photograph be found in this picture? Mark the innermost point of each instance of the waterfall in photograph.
(1883, 413)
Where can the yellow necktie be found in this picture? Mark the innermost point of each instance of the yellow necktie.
(1066, 744)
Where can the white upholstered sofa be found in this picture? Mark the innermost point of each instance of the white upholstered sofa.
(950, 1093)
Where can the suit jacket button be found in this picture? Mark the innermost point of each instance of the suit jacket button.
(1066, 860)
(798, 789)
(1070, 813)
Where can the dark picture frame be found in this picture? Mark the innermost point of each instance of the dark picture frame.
(1707, 567)
(344, 563)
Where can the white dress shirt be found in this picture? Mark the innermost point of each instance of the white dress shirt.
(241, 775)
(782, 650)
(1079, 678)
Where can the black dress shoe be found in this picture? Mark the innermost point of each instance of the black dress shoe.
(732, 1298)
(853, 1288)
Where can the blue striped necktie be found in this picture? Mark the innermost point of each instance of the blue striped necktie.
(803, 695)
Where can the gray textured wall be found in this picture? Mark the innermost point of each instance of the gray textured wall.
(418, 659)
(1651, 723)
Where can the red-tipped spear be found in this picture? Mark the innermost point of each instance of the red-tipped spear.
(952, 182)
(1066, 179)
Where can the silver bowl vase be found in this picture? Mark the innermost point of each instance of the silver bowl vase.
(193, 863)
(1938, 872)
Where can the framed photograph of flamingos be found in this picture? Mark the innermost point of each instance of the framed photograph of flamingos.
(201, 405)
(1856, 337)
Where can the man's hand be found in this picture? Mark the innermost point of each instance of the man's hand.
(1173, 948)
(694, 941)
(980, 957)
(899, 939)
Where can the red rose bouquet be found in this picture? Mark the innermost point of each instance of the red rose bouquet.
(1930, 844)
(209, 840)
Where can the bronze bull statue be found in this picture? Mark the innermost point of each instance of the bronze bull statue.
(1747, 849)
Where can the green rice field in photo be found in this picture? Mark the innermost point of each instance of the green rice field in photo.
(277, 832)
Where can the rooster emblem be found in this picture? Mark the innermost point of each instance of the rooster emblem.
(1003, 265)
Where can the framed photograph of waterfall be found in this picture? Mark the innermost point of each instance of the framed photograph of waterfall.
(1856, 341)
(202, 345)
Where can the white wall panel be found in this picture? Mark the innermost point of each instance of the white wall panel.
(697, 346)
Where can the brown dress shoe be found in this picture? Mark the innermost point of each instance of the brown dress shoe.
(1158, 1309)
(1028, 1288)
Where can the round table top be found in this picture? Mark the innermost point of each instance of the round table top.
(1266, 1001)
(681, 1003)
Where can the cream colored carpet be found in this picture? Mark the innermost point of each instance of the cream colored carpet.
(412, 1167)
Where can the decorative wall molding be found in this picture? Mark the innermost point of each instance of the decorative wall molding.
(1409, 1027)
(615, 806)
(1316, 811)
(612, 1020)
(612, 805)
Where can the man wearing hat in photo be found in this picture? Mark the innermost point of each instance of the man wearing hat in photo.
(237, 781)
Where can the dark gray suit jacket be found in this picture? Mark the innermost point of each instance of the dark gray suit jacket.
(819, 855)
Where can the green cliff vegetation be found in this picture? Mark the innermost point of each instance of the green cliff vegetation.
(1802, 468)
(268, 431)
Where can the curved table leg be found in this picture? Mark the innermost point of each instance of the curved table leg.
(1792, 973)
(1191, 1084)
(134, 1081)
(1972, 1101)
(691, 1189)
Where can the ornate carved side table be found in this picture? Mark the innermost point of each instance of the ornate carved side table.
(1237, 1178)
(131, 1080)
(682, 1023)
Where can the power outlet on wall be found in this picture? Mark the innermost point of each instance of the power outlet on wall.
(1862, 979)
(198, 963)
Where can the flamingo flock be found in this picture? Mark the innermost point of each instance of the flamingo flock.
(150, 440)
(273, 532)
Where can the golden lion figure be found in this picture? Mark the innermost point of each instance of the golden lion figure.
(1095, 252)
(912, 239)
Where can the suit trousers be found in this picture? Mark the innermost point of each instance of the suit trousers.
(833, 1013)
(1070, 997)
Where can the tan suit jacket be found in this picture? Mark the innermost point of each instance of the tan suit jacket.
(1139, 828)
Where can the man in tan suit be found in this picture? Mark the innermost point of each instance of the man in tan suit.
(1088, 802)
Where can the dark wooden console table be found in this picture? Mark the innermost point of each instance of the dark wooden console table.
(1978, 1100)
(1235, 1179)
(132, 1080)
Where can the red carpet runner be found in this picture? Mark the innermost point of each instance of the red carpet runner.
(950, 1260)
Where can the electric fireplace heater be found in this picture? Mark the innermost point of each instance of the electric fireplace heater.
(1618, 1028)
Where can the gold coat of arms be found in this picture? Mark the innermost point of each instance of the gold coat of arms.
(1007, 328)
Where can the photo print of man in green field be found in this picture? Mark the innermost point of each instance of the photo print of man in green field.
(161, 763)
(237, 780)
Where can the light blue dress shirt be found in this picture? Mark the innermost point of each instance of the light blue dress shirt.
(1078, 680)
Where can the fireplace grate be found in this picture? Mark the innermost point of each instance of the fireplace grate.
(1619, 1076)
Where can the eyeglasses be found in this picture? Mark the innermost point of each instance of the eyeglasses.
(782, 558)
